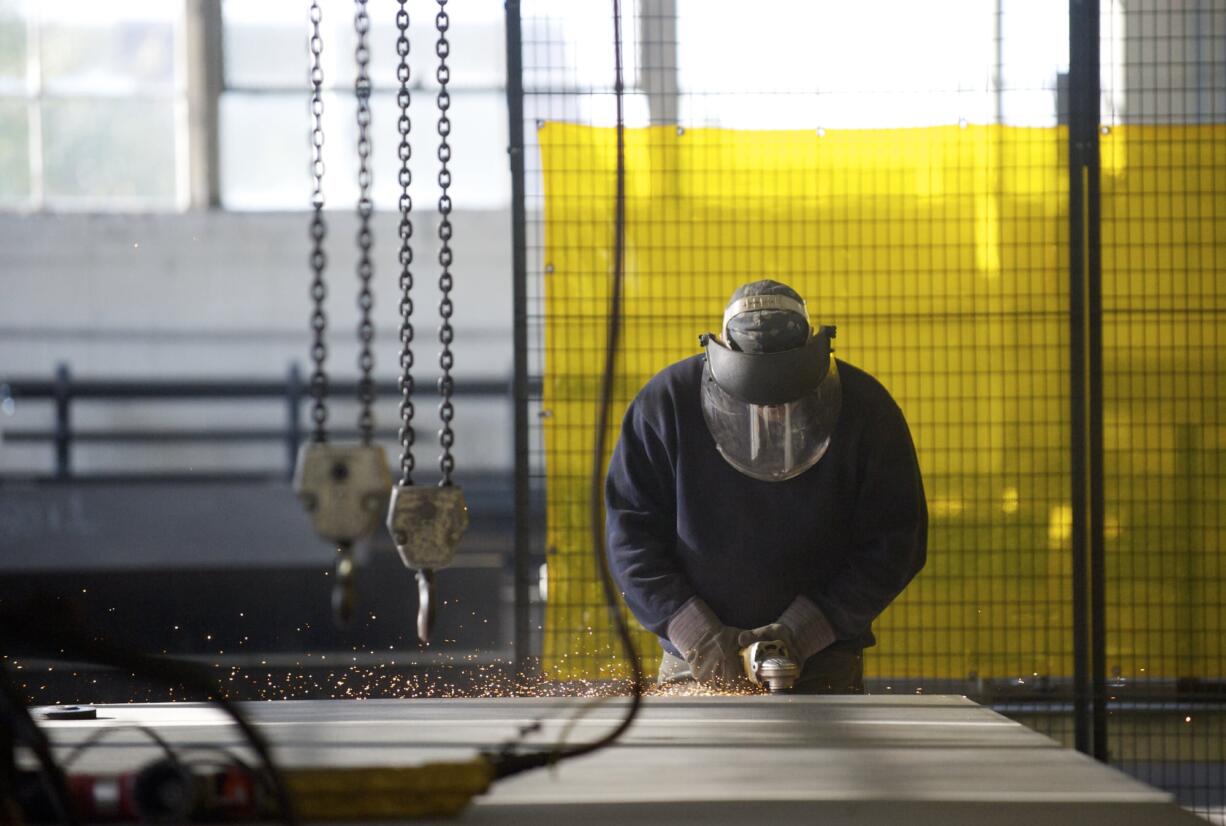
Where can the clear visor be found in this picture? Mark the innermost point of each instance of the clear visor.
(777, 441)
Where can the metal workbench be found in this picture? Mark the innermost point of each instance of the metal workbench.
(881, 759)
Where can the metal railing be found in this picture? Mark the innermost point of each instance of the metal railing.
(63, 390)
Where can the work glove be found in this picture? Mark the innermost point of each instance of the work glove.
(802, 628)
(710, 648)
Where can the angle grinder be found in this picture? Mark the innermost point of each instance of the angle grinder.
(769, 663)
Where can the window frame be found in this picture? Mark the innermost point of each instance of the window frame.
(33, 93)
(338, 85)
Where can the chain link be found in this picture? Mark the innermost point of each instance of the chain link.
(366, 329)
(445, 334)
(404, 126)
(318, 259)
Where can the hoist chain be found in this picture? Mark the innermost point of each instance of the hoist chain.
(445, 334)
(404, 126)
(318, 259)
(366, 329)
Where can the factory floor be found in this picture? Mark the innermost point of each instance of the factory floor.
(914, 760)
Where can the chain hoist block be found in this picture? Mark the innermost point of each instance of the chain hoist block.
(426, 523)
(344, 488)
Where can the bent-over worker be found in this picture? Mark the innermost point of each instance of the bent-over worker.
(764, 490)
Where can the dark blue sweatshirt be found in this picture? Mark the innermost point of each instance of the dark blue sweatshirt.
(849, 533)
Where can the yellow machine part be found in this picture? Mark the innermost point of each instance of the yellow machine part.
(941, 253)
(375, 793)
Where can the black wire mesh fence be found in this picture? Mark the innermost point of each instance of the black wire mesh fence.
(1163, 155)
(920, 214)
(917, 194)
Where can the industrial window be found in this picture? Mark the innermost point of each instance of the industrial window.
(821, 71)
(93, 110)
(264, 114)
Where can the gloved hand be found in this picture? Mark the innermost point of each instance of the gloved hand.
(716, 659)
(803, 628)
(711, 648)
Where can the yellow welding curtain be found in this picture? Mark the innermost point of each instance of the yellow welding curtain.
(941, 254)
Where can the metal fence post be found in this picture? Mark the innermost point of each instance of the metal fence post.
(1085, 375)
(293, 418)
(522, 636)
(63, 421)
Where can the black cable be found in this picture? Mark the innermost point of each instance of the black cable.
(101, 734)
(223, 758)
(197, 757)
(67, 642)
(185, 759)
(150, 803)
(508, 764)
(17, 720)
(8, 772)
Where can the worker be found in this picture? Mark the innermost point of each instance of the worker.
(764, 490)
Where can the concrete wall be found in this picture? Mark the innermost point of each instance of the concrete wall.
(225, 295)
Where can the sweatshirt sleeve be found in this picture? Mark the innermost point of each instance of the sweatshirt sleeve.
(641, 523)
(889, 530)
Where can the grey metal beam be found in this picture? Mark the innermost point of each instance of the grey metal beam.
(205, 81)
(657, 60)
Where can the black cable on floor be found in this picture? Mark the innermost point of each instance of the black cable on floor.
(509, 764)
(61, 640)
(16, 720)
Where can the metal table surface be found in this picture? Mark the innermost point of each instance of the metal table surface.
(881, 759)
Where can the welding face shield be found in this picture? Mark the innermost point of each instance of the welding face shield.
(771, 414)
